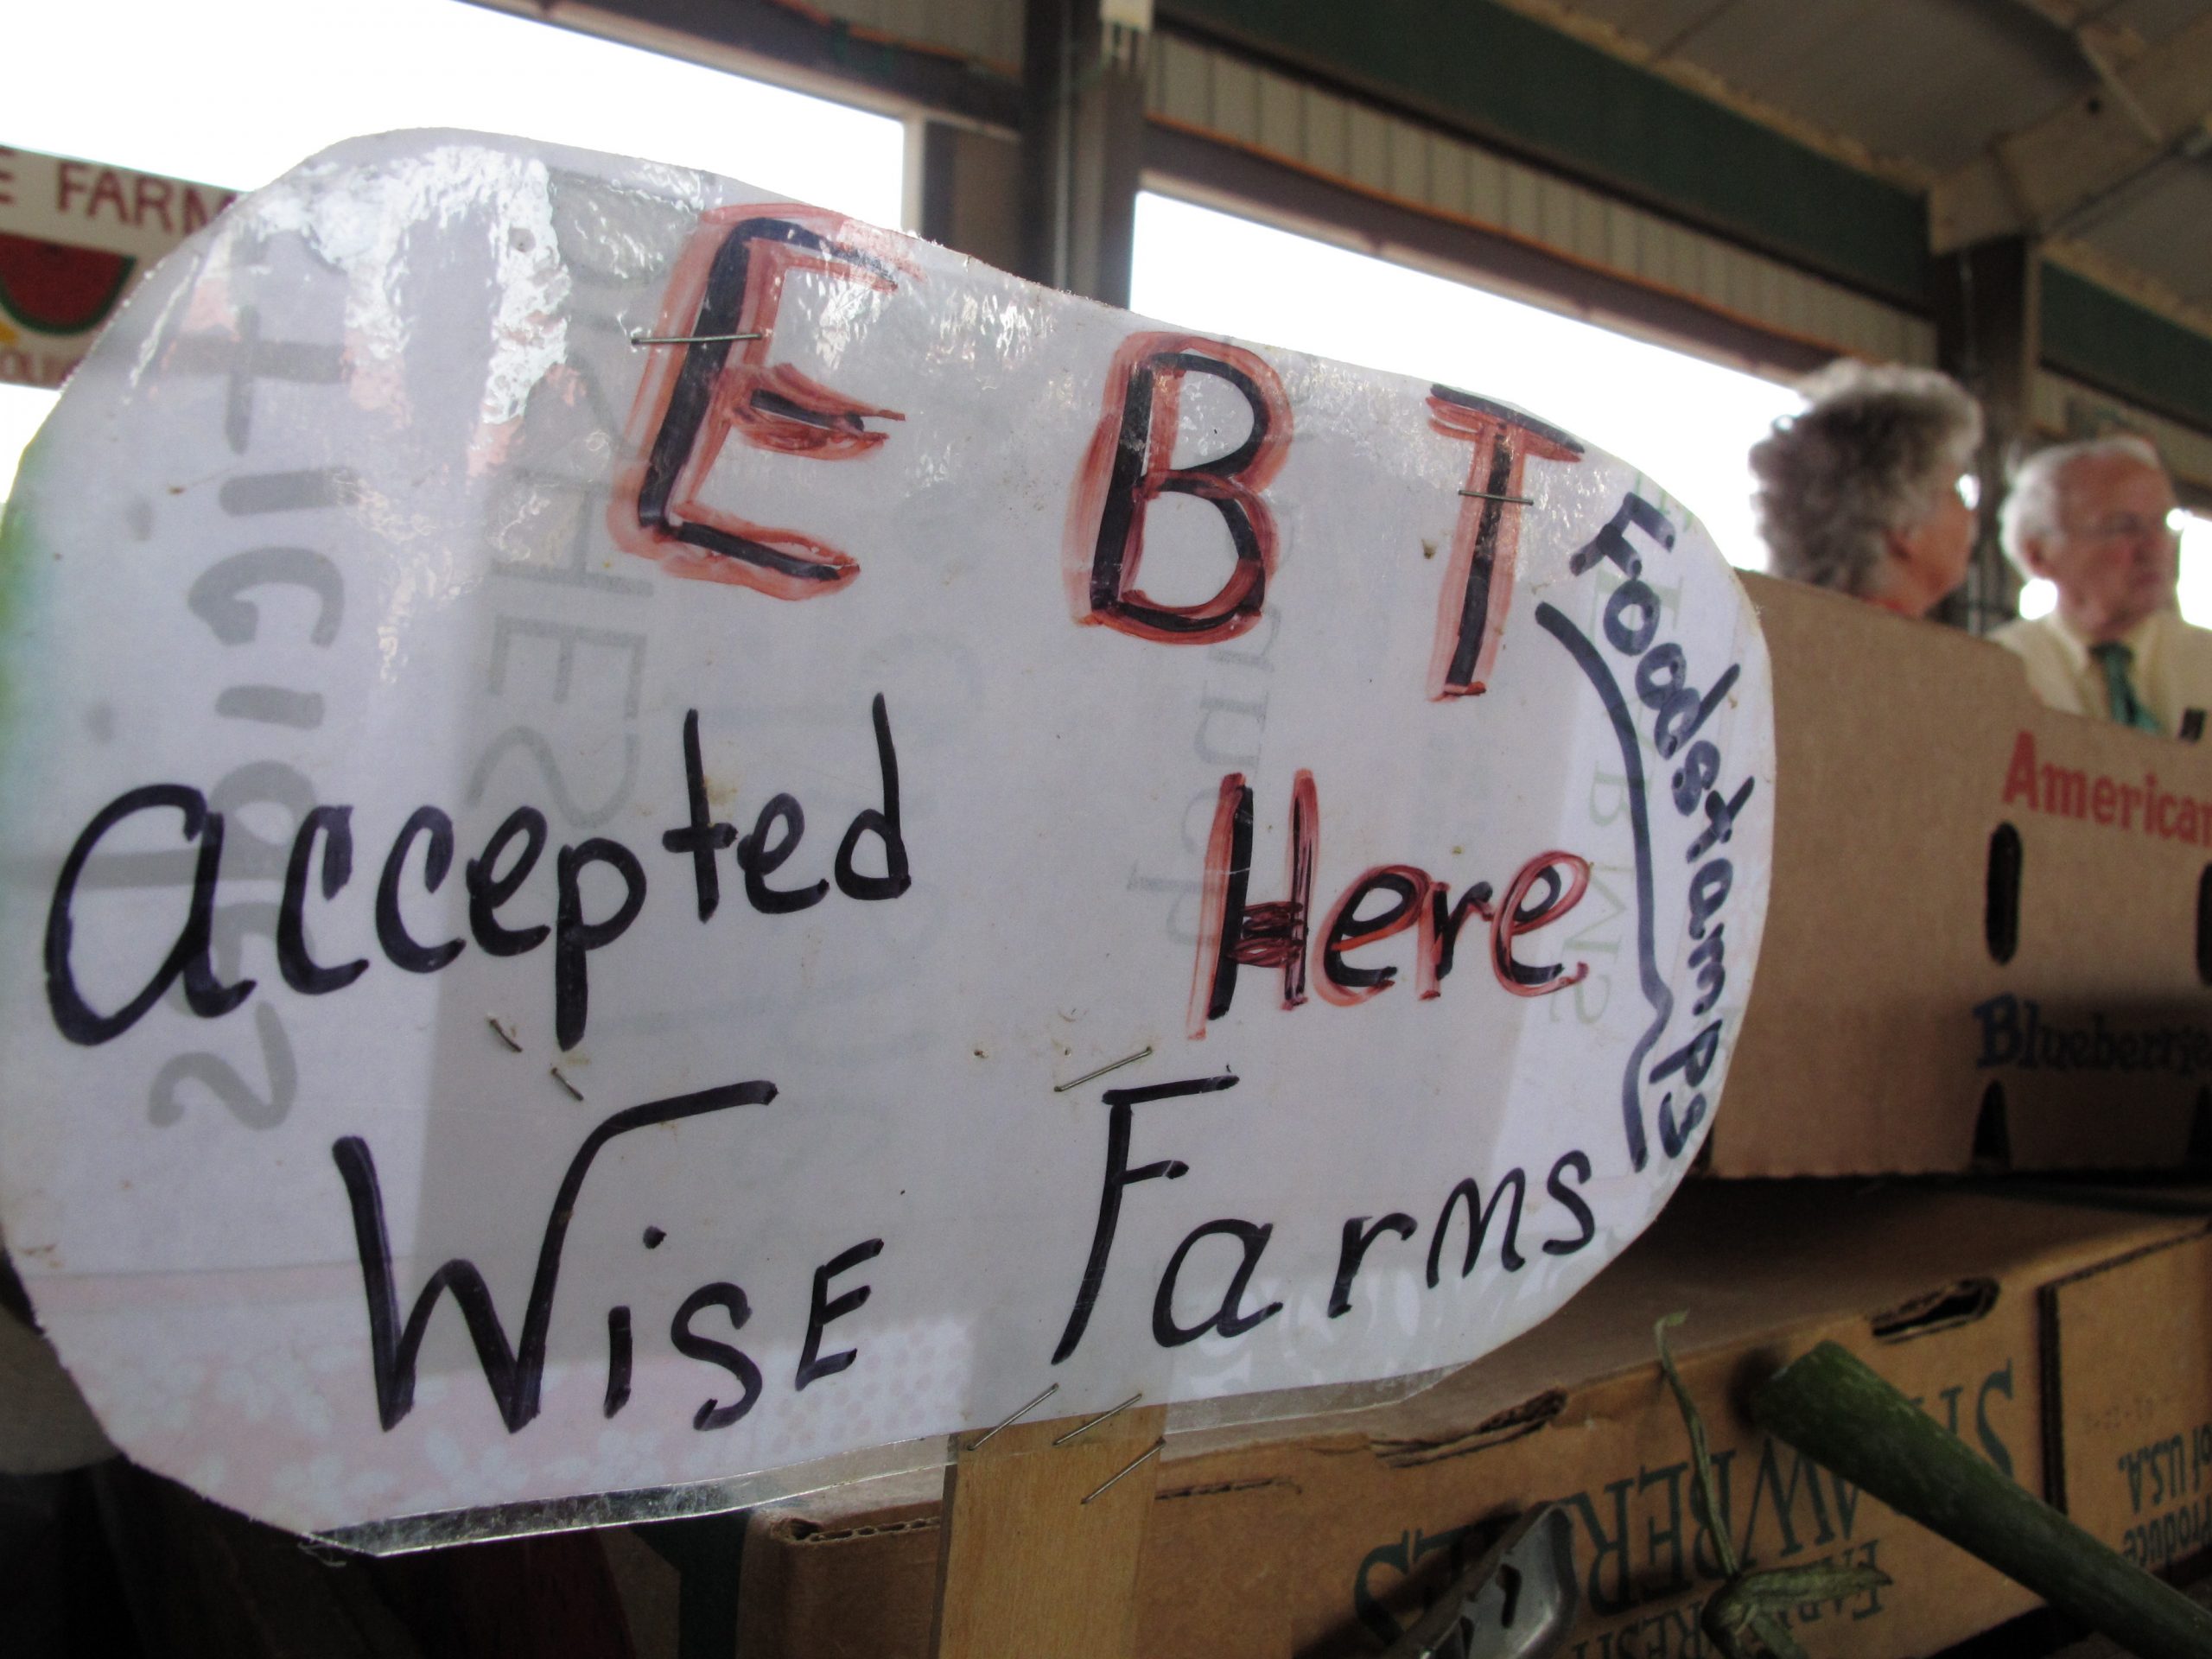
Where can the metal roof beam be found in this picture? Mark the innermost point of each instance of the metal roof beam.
(2032, 181)
(2068, 15)
(2084, 22)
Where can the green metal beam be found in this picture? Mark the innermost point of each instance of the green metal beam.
(2119, 347)
(813, 40)
(1475, 66)
(1478, 67)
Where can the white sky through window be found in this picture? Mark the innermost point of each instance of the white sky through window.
(21, 409)
(233, 93)
(1686, 422)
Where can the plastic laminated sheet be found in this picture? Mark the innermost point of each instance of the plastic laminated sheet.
(654, 837)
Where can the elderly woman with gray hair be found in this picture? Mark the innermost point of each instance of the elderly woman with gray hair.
(1860, 491)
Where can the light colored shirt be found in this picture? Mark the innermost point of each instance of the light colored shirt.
(2171, 671)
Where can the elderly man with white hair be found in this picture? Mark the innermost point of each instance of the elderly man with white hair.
(2095, 518)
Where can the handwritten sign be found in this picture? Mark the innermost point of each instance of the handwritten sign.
(653, 834)
(73, 237)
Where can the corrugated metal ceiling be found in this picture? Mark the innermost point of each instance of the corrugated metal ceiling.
(1924, 92)
(1927, 88)
(1927, 81)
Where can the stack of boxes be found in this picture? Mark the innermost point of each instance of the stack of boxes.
(1986, 959)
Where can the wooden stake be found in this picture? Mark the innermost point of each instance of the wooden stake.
(1831, 1407)
(1028, 1566)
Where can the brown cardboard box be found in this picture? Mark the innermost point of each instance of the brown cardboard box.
(1987, 944)
(2126, 1355)
(1323, 1536)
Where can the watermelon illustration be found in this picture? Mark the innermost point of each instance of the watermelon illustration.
(50, 288)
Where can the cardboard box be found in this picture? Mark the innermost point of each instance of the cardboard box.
(2125, 1360)
(45, 1425)
(1322, 1537)
(1989, 940)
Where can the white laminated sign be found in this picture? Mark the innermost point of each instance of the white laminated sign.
(654, 835)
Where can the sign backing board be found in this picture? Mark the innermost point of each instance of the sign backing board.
(656, 835)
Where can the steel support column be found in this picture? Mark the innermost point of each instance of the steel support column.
(1988, 312)
(970, 185)
(1083, 144)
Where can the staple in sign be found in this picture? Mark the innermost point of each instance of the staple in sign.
(1013, 1417)
(1144, 1053)
(643, 339)
(1142, 1459)
(1106, 1415)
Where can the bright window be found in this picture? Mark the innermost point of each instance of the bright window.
(233, 93)
(1687, 422)
(21, 409)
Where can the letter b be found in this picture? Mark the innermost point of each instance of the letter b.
(1130, 464)
(2001, 1031)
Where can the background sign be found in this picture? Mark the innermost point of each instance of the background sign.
(653, 834)
(73, 237)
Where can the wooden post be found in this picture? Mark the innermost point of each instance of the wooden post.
(1028, 1566)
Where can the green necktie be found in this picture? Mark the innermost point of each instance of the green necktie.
(2119, 690)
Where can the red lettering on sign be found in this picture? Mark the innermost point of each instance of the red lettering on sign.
(108, 192)
(197, 210)
(1407, 891)
(1517, 916)
(701, 392)
(1486, 542)
(1233, 934)
(2020, 776)
(150, 195)
(1130, 464)
(2063, 791)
